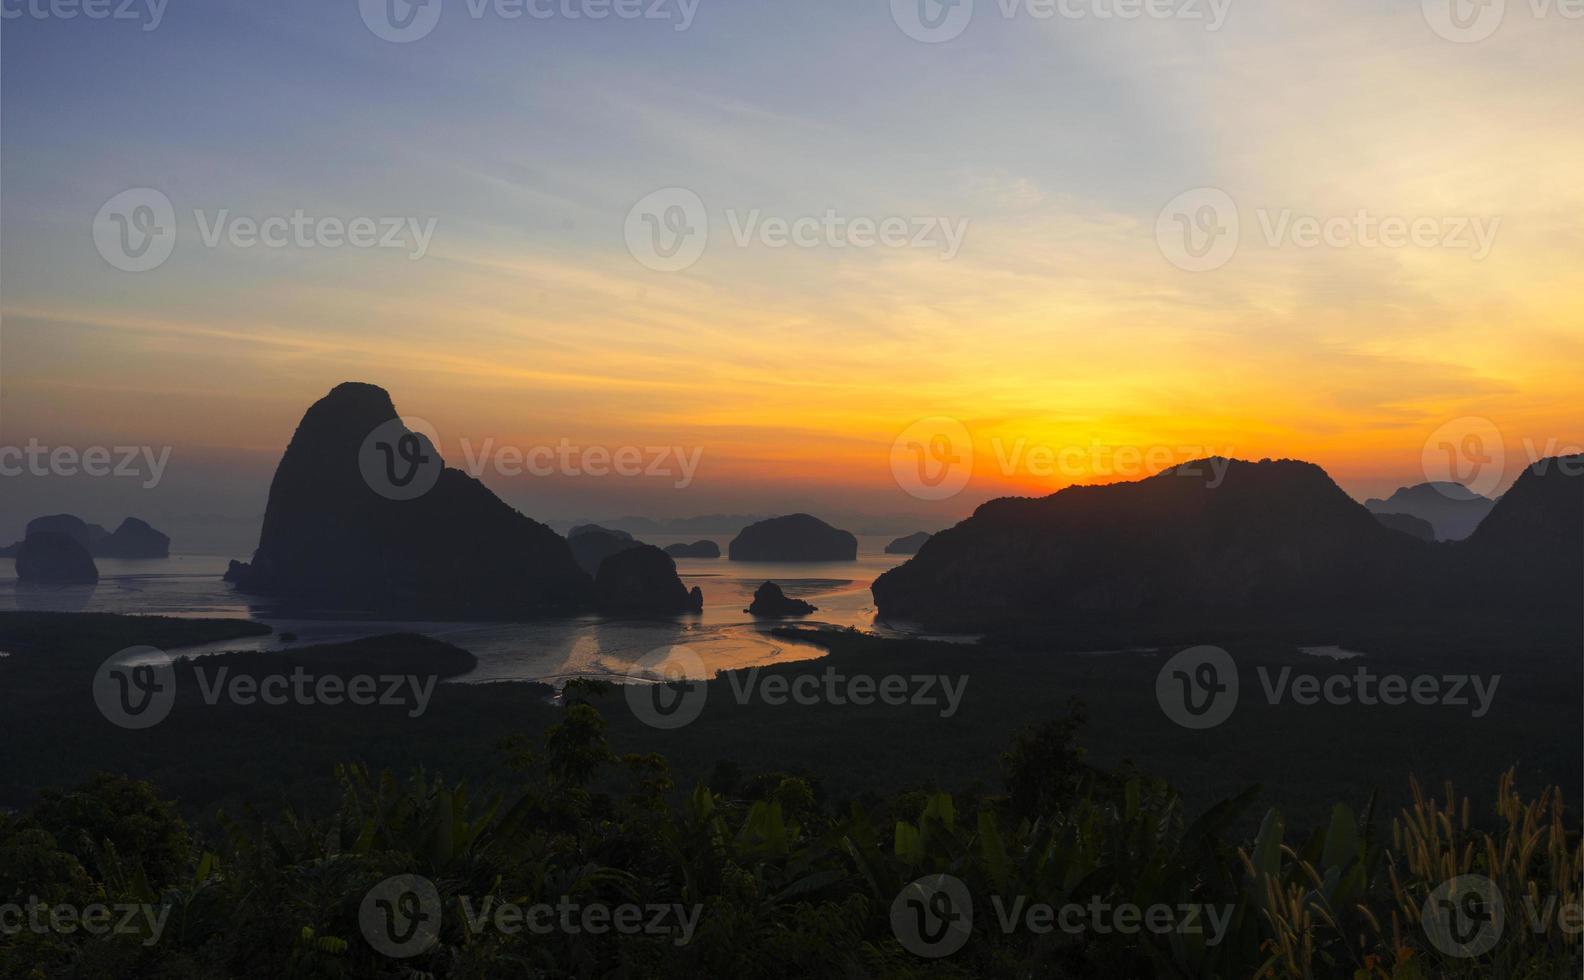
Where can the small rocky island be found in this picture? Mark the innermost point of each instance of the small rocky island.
(342, 532)
(642, 580)
(54, 558)
(771, 603)
(698, 549)
(133, 538)
(796, 537)
(908, 545)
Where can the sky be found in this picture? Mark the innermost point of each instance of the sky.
(583, 217)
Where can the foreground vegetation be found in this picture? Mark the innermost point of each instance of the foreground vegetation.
(791, 840)
(782, 886)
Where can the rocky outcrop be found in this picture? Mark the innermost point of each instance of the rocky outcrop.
(591, 545)
(581, 529)
(54, 558)
(1275, 538)
(1409, 525)
(771, 603)
(1530, 551)
(132, 539)
(374, 520)
(1453, 510)
(796, 537)
(908, 545)
(698, 549)
(643, 581)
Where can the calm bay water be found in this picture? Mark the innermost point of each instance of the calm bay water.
(723, 636)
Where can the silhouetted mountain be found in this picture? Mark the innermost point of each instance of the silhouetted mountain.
(698, 549)
(133, 539)
(592, 544)
(1451, 508)
(330, 540)
(1276, 537)
(1530, 550)
(771, 603)
(643, 581)
(581, 529)
(1408, 524)
(54, 558)
(796, 537)
(908, 545)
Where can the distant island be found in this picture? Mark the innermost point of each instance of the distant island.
(908, 545)
(795, 537)
(1452, 510)
(54, 558)
(339, 533)
(770, 602)
(1277, 540)
(133, 538)
(1409, 525)
(698, 549)
(592, 544)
